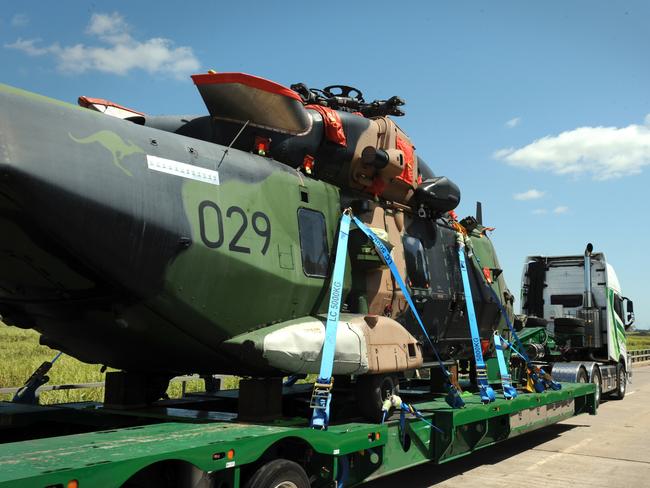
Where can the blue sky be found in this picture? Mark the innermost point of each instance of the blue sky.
(538, 110)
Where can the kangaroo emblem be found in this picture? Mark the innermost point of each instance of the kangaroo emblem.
(118, 147)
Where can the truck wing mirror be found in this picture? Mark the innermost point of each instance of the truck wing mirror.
(629, 312)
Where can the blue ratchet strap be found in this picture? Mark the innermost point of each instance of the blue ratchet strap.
(511, 346)
(546, 378)
(509, 392)
(344, 472)
(485, 390)
(453, 398)
(539, 384)
(394, 401)
(408, 408)
(402, 426)
(322, 393)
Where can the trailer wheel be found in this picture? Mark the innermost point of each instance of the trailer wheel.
(596, 380)
(621, 382)
(371, 391)
(279, 473)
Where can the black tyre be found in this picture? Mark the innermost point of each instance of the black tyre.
(279, 473)
(582, 377)
(371, 391)
(597, 380)
(621, 382)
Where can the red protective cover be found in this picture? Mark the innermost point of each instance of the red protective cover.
(407, 149)
(333, 125)
(87, 101)
(378, 186)
(245, 79)
(487, 274)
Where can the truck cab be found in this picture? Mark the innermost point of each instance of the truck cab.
(579, 302)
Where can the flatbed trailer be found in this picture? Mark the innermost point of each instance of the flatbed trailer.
(199, 441)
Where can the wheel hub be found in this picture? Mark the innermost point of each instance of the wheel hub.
(286, 484)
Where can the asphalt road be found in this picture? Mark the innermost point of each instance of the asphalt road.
(609, 450)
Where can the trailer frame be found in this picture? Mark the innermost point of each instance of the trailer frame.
(213, 447)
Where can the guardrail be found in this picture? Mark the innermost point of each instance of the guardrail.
(639, 355)
(80, 386)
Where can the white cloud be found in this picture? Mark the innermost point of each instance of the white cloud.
(28, 47)
(119, 53)
(560, 210)
(540, 211)
(513, 122)
(102, 24)
(531, 194)
(603, 152)
(19, 20)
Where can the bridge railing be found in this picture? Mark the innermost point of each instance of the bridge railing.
(639, 355)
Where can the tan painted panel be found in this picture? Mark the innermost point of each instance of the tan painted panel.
(388, 345)
(382, 293)
(399, 304)
(379, 290)
(379, 285)
(382, 134)
(362, 175)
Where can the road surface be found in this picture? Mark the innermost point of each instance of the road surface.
(609, 450)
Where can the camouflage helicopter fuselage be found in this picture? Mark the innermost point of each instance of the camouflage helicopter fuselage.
(150, 247)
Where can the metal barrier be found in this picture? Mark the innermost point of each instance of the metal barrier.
(639, 355)
(100, 384)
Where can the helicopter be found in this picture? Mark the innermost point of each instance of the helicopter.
(177, 244)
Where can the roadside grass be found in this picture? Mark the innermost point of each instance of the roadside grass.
(639, 339)
(21, 354)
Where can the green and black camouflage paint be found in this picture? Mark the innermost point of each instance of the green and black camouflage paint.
(117, 264)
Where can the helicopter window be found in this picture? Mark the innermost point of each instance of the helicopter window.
(313, 242)
(416, 264)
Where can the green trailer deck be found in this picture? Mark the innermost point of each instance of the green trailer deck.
(198, 444)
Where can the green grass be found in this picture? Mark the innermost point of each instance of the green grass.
(639, 339)
(21, 354)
